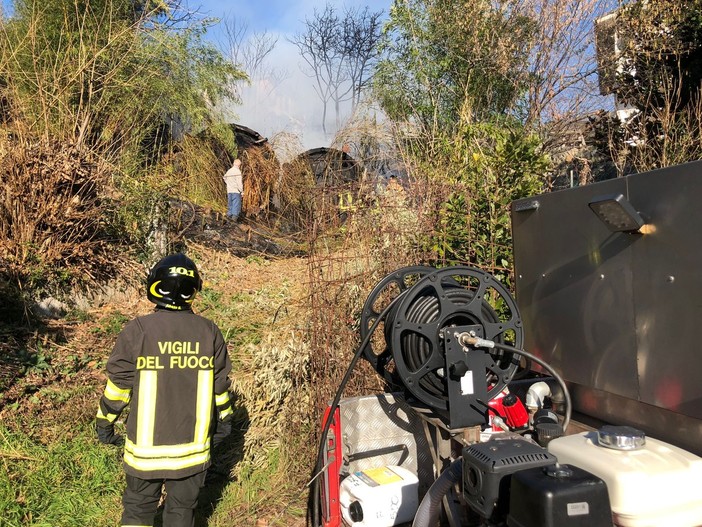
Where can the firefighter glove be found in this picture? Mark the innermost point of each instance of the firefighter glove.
(223, 430)
(107, 436)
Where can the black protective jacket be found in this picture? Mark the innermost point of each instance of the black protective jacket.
(174, 368)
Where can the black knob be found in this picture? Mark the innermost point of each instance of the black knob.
(509, 400)
(545, 416)
(356, 512)
(546, 432)
(458, 369)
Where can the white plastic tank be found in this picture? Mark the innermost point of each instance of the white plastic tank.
(650, 483)
(379, 497)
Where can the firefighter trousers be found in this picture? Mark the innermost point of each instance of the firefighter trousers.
(141, 498)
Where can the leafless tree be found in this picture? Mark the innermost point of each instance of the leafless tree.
(320, 47)
(250, 54)
(563, 64)
(361, 33)
(339, 53)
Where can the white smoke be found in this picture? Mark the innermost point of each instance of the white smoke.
(281, 97)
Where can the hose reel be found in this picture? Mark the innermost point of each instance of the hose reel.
(425, 347)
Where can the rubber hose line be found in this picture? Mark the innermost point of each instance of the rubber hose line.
(313, 503)
(430, 507)
(566, 395)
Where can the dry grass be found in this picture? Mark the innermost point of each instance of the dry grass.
(54, 211)
(261, 174)
(260, 305)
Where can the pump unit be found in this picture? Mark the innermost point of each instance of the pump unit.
(575, 404)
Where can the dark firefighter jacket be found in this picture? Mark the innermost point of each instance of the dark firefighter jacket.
(174, 367)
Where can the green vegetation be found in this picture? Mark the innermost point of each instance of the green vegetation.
(452, 61)
(69, 483)
(109, 116)
(93, 93)
(493, 166)
(111, 325)
(458, 107)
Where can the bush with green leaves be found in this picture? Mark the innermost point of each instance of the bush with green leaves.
(489, 165)
(118, 81)
(449, 60)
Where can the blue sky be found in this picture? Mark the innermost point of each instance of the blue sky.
(283, 16)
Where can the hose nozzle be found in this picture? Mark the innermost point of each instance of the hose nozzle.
(468, 339)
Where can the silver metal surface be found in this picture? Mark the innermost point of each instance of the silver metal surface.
(381, 430)
(618, 313)
(619, 437)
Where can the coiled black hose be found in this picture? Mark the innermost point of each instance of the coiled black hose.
(430, 507)
(416, 349)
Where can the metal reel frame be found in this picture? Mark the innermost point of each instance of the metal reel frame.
(419, 328)
(398, 280)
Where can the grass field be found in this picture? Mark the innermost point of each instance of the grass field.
(54, 472)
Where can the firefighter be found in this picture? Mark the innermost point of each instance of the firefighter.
(173, 366)
(346, 205)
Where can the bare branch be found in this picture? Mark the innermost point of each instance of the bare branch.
(340, 53)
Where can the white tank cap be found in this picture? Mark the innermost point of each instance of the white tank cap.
(621, 437)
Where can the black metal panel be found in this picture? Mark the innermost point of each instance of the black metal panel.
(468, 401)
(668, 288)
(618, 312)
(574, 289)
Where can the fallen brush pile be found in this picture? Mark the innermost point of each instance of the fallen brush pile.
(54, 205)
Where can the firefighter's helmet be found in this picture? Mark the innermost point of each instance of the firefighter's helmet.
(173, 282)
